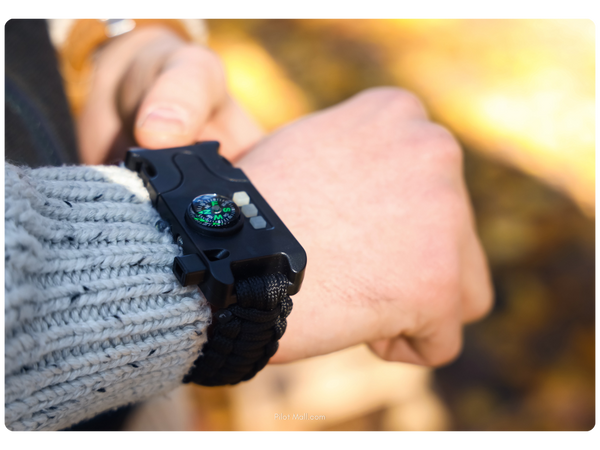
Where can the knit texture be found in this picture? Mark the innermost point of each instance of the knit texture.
(94, 317)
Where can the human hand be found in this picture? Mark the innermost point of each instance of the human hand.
(374, 192)
(154, 90)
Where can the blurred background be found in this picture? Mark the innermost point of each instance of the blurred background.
(520, 97)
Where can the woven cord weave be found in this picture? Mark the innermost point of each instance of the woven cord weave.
(245, 335)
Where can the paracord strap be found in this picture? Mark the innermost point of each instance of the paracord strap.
(244, 335)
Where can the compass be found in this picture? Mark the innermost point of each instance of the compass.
(214, 214)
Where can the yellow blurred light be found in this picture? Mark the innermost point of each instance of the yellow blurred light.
(258, 82)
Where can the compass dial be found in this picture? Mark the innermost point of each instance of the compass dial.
(213, 212)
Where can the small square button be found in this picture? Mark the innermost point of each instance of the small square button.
(241, 198)
(258, 222)
(249, 210)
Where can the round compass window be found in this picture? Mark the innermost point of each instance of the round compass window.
(214, 213)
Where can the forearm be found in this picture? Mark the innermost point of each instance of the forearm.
(95, 319)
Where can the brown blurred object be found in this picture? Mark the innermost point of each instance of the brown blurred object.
(517, 93)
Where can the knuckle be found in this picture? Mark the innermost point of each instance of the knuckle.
(451, 207)
(205, 58)
(393, 100)
(487, 303)
(213, 60)
(438, 145)
(482, 307)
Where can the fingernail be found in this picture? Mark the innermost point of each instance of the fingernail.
(165, 120)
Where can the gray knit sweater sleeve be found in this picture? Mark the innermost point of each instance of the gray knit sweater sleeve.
(94, 317)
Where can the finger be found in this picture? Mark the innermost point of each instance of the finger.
(475, 279)
(186, 93)
(398, 103)
(477, 299)
(440, 347)
(234, 129)
(396, 350)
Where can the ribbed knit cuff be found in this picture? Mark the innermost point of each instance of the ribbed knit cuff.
(94, 317)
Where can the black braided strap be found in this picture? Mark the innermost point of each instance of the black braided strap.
(244, 336)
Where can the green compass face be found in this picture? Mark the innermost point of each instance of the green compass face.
(213, 211)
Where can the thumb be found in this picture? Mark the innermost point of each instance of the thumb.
(181, 100)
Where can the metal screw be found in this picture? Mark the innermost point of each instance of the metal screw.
(161, 225)
(224, 316)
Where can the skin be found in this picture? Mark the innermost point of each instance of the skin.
(371, 188)
(152, 89)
